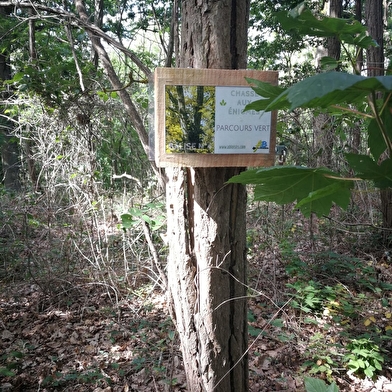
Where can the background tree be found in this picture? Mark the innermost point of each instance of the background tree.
(374, 11)
(8, 143)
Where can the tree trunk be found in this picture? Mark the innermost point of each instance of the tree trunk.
(8, 142)
(207, 226)
(27, 142)
(333, 43)
(375, 67)
(324, 130)
(375, 24)
(358, 17)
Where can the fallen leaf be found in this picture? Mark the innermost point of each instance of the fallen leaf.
(7, 335)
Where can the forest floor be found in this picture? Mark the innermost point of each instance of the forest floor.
(306, 308)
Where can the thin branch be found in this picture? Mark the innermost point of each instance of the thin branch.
(353, 111)
(80, 23)
(155, 256)
(78, 69)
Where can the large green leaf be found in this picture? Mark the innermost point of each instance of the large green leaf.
(314, 189)
(376, 141)
(366, 168)
(320, 201)
(326, 89)
(317, 385)
(304, 22)
(266, 90)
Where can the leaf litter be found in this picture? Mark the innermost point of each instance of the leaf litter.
(83, 340)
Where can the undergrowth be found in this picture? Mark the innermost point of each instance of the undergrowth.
(339, 299)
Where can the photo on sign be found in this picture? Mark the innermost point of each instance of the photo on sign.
(190, 119)
(209, 119)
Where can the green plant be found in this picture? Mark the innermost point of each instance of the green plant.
(11, 361)
(323, 356)
(317, 385)
(340, 94)
(364, 357)
(90, 376)
(150, 213)
(308, 296)
(294, 265)
(321, 364)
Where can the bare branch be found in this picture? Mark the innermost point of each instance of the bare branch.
(62, 14)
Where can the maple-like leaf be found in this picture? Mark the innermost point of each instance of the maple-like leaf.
(317, 385)
(322, 91)
(316, 190)
(367, 169)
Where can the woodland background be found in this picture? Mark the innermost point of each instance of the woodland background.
(82, 220)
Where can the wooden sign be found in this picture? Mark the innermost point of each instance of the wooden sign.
(200, 119)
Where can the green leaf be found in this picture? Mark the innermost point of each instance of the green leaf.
(16, 354)
(369, 371)
(321, 90)
(103, 95)
(127, 221)
(305, 23)
(376, 140)
(317, 385)
(332, 388)
(6, 372)
(277, 323)
(326, 89)
(253, 331)
(366, 168)
(320, 201)
(314, 189)
(353, 365)
(266, 90)
(360, 363)
(377, 364)
(328, 63)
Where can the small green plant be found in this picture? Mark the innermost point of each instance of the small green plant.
(364, 357)
(295, 266)
(322, 364)
(323, 356)
(11, 361)
(151, 213)
(308, 296)
(317, 385)
(90, 376)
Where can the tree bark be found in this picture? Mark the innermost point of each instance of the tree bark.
(358, 17)
(375, 67)
(333, 43)
(206, 224)
(9, 145)
(324, 131)
(375, 23)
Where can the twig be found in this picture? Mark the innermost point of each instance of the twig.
(155, 256)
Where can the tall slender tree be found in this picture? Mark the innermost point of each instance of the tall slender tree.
(374, 14)
(9, 145)
(206, 224)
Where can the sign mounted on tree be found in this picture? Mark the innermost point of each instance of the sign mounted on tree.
(200, 119)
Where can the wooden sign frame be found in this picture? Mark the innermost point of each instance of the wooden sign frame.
(206, 77)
